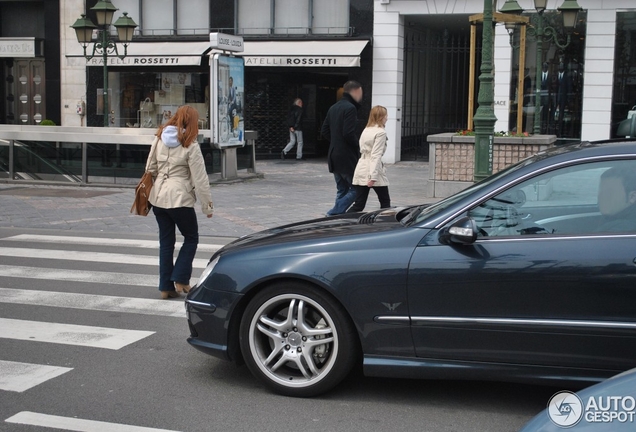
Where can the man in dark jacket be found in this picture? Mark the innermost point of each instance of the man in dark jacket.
(617, 200)
(339, 129)
(295, 125)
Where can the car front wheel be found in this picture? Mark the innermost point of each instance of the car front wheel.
(298, 340)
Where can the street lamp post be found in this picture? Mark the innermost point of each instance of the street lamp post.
(106, 46)
(485, 115)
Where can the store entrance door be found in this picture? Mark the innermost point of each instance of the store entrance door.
(269, 96)
(23, 92)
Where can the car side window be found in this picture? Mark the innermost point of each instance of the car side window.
(590, 198)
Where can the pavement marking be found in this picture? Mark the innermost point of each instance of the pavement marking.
(79, 276)
(97, 241)
(93, 302)
(69, 334)
(75, 424)
(90, 256)
(18, 377)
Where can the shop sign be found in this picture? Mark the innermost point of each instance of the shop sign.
(148, 61)
(226, 42)
(303, 61)
(17, 47)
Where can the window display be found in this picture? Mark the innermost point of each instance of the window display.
(147, 100)
(560, 81)
(624, 94)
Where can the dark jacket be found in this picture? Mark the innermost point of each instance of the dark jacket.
(340, 129)
(623, 221)
(295, 118)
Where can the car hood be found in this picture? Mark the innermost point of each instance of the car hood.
(349, 224)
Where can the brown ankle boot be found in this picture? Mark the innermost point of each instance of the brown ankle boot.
(182, 287)
(169, 294)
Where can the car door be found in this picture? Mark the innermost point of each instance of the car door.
(550, 280)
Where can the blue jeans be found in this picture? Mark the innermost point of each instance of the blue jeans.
(180, 271)
(345, 195)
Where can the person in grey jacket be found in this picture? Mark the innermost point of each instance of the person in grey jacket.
(295, 124)
(179, 174)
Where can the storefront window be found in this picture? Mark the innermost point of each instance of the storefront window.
(293, 16)
(157, 17)
(330, 17)
(148, 99)
(624, 94)
(560, 81)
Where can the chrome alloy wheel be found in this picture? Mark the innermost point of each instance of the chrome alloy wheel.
(293, 340)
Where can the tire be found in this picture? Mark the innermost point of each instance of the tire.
(297, 340)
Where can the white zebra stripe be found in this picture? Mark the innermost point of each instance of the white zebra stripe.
(98, 241)
(75, 424)
(93, 302)
(108, 278)
(97, 257)
(18, 377)
(69, 334)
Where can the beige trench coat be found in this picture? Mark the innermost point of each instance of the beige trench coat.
(180, 177)
(370, 166)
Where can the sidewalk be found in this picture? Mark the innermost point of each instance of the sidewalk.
(289, 192)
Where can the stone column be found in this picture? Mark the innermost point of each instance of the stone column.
(388, 60)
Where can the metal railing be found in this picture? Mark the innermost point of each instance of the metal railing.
(85, 155)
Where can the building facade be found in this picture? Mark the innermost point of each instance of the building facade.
(293, 48)
(421, 64)
(29, 61)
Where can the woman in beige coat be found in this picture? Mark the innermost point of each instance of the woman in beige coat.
(178, 169)
(370, 172)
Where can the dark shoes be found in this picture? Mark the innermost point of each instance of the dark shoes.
(282, 155)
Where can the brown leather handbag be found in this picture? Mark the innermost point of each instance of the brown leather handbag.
(141, 206)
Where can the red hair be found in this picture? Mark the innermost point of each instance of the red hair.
(186, 120)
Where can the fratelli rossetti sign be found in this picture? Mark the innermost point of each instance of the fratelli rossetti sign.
(148, 61)
(302, 61)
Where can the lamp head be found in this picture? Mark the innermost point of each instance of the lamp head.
(84, 29)
(570, 11)
(125, 26)
(511, 7)
(540, 5)
(104, 11)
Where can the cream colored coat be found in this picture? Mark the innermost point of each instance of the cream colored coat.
(180, 177)
(370, 166)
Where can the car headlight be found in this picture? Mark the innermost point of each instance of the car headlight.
(208, 270)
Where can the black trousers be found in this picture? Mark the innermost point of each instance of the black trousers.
(362, 194)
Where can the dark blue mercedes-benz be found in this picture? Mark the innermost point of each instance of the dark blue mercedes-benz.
(529, 275)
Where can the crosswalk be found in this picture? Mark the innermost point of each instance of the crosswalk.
(60, 274)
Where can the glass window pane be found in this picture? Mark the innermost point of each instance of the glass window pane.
(193, 23)
(158, 17)
(560, 80)
(254, 16)
(291, 16)
(584, 199)
(624, 97)
(330, 17)
(131, 7)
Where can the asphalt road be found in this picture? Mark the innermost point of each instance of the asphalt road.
(70, 356)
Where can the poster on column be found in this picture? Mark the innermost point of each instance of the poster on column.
(228, 89)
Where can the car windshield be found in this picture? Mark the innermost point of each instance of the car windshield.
(419, 214)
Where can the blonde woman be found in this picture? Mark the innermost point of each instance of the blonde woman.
(177, 166)
(370, 172)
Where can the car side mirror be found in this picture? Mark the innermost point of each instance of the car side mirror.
(462, 232)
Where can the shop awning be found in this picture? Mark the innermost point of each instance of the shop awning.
(303, 53)
(157, 54)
